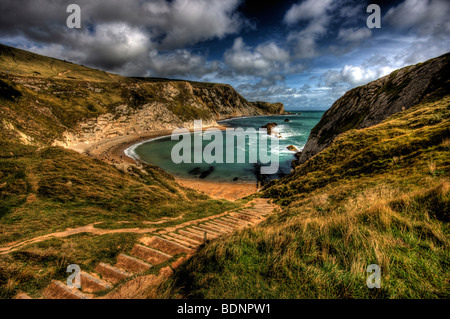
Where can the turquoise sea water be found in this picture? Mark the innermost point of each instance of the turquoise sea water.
(295, 132)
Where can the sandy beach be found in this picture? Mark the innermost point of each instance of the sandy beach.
(113, 151)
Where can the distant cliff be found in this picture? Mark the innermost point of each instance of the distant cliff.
(49, 101)
(270, 108)
(370, 104)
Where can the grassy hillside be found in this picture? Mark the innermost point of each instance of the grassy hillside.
(24, 63)
(41, 98)
(378, 195)
(50, 189)
(47, 189)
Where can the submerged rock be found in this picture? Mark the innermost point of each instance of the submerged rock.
(292, 148)
(195, 171)
(269, 127)
(205, 174)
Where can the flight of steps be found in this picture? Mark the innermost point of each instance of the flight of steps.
(157, 249)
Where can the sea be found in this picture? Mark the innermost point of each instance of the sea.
(292, 129)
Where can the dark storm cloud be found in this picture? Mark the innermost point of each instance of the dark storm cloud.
(325, 44)
(115, 32)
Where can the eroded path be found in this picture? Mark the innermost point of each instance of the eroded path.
(84, 229)
(171, 244)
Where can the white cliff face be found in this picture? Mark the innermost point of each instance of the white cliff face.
(173, 105)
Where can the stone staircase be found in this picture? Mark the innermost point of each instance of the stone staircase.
(174, 244)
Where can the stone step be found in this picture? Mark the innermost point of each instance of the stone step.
(90, 283)
(111, 273)
(263, 205)
(222, 222)
(262, 211)
(213, 229)
(250, 213)
(192, 235)
(247, 217)
(187, 239)
(209, 235)
(22, 295)
(219, 227)
(229, 224)
(261, 200)
(203, 229)
(180, 241)
(238, 221)
(58, 290)
(165, 245)
(223, 225)
(132, 264)
(149, 254)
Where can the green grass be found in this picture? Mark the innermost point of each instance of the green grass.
(50, 189)
(46, 190)
(23, 63)
(33, 267)
(378, 195)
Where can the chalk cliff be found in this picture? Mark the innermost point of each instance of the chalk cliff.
(49, 101)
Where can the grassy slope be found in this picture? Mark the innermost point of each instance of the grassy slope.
(45, 189)
(50, 189)
(24, 63)
(379, 195)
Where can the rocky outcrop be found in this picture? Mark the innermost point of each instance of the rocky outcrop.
(370, 104)
(224, 102)
(172, 104)
(270, 108)
(292, 148)
(270, 129)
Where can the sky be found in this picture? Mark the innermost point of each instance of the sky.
(305, 54)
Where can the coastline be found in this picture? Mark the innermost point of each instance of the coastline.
(113, 150)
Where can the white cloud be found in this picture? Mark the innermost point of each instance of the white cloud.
(351, 76)
(265, 59)
(193, 21)
(115, 44)
(116, 32)
(354, 34)
(309, 9)
(317, 17)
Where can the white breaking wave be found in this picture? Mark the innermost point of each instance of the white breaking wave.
(131, 151)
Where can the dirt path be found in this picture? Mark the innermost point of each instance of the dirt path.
(97, 231)
(163, 245)
(85, 229)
